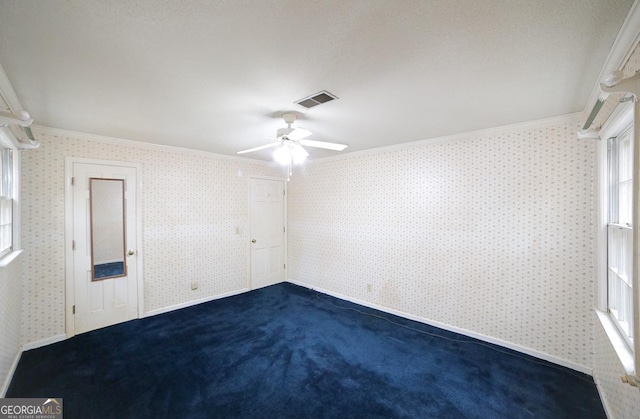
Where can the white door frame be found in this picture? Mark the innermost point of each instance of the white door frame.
(286, 227)
(68, 236)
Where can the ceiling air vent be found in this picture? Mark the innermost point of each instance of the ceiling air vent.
(316, 99)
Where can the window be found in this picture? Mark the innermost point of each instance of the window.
(6, 201)
(617, 307)
(620, 232)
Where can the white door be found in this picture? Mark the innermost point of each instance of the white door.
(103, 299)
(267, 232)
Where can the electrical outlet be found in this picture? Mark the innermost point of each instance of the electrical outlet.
(369, 287)
(194, 285)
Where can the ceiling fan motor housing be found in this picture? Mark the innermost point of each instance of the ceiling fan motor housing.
(283, 132)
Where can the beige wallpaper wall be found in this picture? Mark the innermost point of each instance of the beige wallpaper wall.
(492, 234)
(191, 207)
(10, 308)
(623, 401)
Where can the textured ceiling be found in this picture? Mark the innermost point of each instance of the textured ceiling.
(217, 75)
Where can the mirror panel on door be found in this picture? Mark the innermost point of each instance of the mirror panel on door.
(107, 228)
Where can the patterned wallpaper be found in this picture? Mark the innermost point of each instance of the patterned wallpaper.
(10, 302)
(491, 234)
(623, 401)
(191, 207)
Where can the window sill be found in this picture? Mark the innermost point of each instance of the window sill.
(9, 257)
(619, 344)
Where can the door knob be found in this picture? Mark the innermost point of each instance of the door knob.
(253, 241)
(131, 253)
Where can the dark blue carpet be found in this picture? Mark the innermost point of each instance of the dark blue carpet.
(287, 352)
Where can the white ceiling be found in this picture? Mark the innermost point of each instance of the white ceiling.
(217, 75)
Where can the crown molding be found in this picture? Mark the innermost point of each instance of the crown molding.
(489, 132)
(7, 92)
(505, 129)
(59, 132)
(622, 48)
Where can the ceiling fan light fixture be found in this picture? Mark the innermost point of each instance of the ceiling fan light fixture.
(289, 148)
(290, 152)
(298, 154)
(282, 155)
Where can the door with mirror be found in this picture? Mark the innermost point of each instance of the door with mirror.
(105, 289)
(106, 220)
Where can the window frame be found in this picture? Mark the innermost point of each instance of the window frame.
(621, 312)
(6, 200)
(9, 141)
(618, 123)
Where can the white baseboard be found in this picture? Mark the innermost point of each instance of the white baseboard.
(26, 347)
(7, 380)
(61, 337)
(489, 339)
(43, 342)
(193, 302)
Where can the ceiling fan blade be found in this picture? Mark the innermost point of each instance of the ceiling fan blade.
(324, 144)
(262, 147)
(298, 134)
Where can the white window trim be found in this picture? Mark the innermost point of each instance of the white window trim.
(617, 123)
(622, 349)
(8, 140)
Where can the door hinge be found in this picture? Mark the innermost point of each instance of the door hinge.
(283, 230)
(73, 309)
(73, 180)
(73, 245)
(285, 266)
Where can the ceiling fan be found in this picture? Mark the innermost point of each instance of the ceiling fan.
(290, 142)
